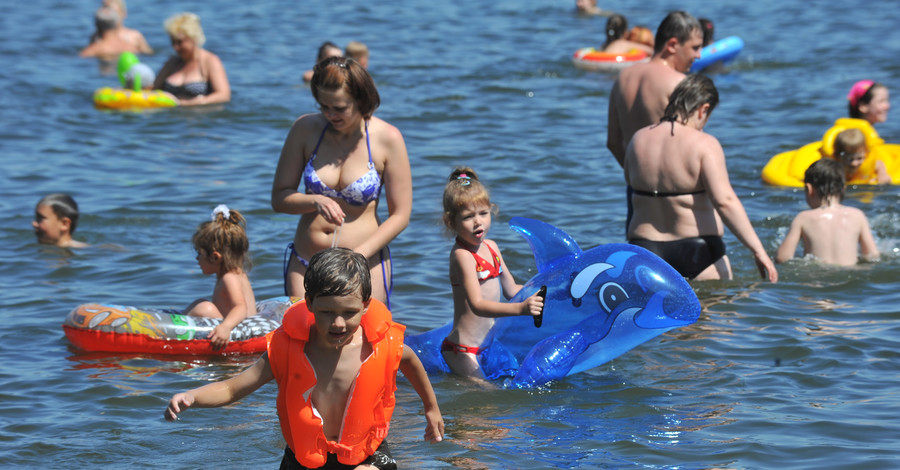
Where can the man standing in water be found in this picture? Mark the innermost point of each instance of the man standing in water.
(641, 92)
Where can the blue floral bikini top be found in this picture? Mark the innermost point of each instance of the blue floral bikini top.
(358, 193)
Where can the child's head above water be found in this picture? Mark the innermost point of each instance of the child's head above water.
(641, 34)
(826, 178)
(463, 190)
(337, 272)
(55, 219)
(224, 234)
(850, 149)
(869, 100)
(358, 52)
(616, 27)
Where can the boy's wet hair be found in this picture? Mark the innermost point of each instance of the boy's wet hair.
(337, 272)
(826, 176)
(63, 206)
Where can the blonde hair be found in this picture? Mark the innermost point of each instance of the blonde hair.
(186, 24)
(117, 5)
(228, 237)
(355, 50)
(847, 140)
(462, 190)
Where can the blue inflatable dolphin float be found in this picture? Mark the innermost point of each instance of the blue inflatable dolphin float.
(599, 304)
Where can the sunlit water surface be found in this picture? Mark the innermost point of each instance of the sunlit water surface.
(801, 374)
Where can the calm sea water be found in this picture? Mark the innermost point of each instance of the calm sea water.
(800, 374)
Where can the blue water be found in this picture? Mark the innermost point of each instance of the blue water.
(800, 374)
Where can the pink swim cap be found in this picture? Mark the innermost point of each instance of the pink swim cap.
(858, 90)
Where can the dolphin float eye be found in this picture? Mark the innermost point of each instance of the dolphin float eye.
(611, 295)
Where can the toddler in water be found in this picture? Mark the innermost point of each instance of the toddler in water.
(830, 231)
(869, 100)
(850, 151)
(222, 247)
(55, 219)
(478, 274)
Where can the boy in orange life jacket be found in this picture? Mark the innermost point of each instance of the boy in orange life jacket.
(329, 418)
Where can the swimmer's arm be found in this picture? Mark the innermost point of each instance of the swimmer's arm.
(714, 175)
(89, 51)
(397, 178)
(413, 370)
(233, 294)
(614, 139)
(507, 281)
(867, 247)
(222, 393)
(164, 73)
(286, 197)
(143, 45)
(881, 174)
(788, 246)
(463, 266)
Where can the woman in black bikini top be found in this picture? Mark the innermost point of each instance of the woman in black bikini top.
(680, 191)
(194, 75)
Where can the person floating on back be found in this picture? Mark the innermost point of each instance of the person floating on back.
(55, 220)
(830, 230)
(335, 359)
(222, 247)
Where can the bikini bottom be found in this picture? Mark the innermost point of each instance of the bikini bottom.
(689, 256)
(291, 253)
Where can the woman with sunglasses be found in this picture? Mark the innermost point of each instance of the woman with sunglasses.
(194, 75)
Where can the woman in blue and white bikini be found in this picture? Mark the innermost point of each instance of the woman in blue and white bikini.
(343, 155)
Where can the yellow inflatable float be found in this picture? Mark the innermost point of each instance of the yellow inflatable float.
(117, 98)
(787, 168)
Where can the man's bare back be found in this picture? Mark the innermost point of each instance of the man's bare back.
(638, 99)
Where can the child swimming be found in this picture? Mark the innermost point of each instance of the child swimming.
(830, 231)
(55, 220)
(478, 274)
(222, 247)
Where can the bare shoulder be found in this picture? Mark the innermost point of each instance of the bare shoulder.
(212, 60)
(854, 212)
(308, 122)
(460, 257)
(493, 245)
(707, 143)
(803, 216)
(384, 130)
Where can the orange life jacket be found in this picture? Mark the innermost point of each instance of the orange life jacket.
(371, 402)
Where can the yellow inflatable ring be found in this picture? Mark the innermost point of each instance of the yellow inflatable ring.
(117, 98)
(589, 58)
(788, 168)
